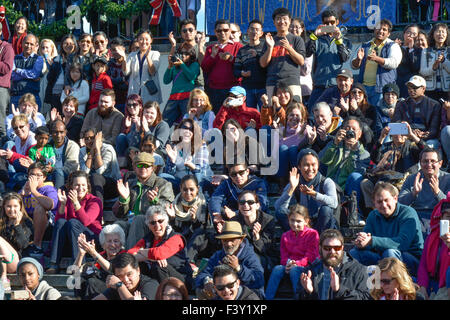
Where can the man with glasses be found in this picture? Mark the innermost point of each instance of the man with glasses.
(235, 32)
(217, 65)
(330, 50)
(336, 275)
(246, 65)
(424, 190)
(137, 194)
(392, 230)
(228, 286)
(101, 45)
(420, 111)
(40, 202)
(238, 254)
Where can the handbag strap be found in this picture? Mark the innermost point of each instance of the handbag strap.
(176, 77)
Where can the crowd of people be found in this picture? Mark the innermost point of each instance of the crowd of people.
(186, 181)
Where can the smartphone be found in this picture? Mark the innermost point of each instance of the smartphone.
(443, 227)
(20, 294)
(328, 29)
(398, 128)
(236, 102)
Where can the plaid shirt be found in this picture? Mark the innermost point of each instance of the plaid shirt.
(200, 160)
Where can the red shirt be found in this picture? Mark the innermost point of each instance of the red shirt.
(103, 81)
(172, 246)
(242, 114)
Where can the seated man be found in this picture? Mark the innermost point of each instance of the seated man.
(239, 255)
(421, 112)
(127, 282)
(234, 107)
(391, 230)
(326, 125)
(336, 275)
(228, 286)
(424, 190)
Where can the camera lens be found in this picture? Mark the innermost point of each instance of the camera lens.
(350, 134)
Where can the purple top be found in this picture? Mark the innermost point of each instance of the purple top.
(293, 138)
(48, 191)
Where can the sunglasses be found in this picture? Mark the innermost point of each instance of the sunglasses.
(142, 165)
(89, 138)
(99, 41)
(335, 248)
(188, 29)
(19, 127)
(411, 87)
(222, 30)
(186, 127)
(249, 202)
(160, 221)
(133, 105)
(228, 285)
(241, 173)
(386, 281)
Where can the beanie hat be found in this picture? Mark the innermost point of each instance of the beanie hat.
(33, 261)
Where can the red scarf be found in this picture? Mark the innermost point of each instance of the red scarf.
(17, 43)
(434, 242)
(158, 6)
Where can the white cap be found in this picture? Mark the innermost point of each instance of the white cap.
(417, 81)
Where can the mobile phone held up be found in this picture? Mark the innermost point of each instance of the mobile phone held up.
(398, 128)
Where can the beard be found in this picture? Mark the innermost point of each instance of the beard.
(339, 257)
(103, 112)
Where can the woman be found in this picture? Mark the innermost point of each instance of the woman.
(405, 69)
(16, 230)
(30, 274)
(274, 114)
(297, 28)
(162, 250)
(395, 282)
(79, 88)
(112, 240)
(98, 159)
(189, 154)
(78, 212)
(199, 109)
(47, 49)
(20, 32)
(182, 73)
(435, 63)
(311, 190)
(131, 127)
(172, 289)
(72, 119)
(142, 67)
(84, 57)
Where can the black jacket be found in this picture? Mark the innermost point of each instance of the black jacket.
(352, 285)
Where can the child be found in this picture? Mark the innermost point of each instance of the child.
(298, 248)
(79, 88)
(100, 81)
(42, 151)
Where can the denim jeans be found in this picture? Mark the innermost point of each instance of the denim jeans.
(253, 98)
(58, 177)
(174, 110)
(278, 272)
(373, 96)
(217, 97)
(368, 257)
(315, 94)
(322, 218)
(445, 140)
(124, 141)
(287, 159)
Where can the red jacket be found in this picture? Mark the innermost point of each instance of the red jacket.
(103, 81)
(220, 72)
(242, 114)
(172, 246)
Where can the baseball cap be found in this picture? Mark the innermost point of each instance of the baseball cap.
(391, 87)
(237, 90)
(345, 73)
(417, 81)
(100, 59)
(145, 158)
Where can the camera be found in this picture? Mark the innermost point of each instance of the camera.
(175, 57)
(350, 134)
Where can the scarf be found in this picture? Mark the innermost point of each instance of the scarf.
(314, 183)
(180, 203)
(433, 244)
(17, 43)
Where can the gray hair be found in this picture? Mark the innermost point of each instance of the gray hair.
(159, 209)
(321, 105)
(112, 229)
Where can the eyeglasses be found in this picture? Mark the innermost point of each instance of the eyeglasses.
(241, 173)
(228, 285)
(89, 138)
(296, 27)
(85, 41)
(335, 248)
(154, 222)
(357, 92)
(222, 30)
(411, 34)
(233, 32)
(19, 127)
(97, 42)
(410, 87)
(188, 29)
(142, 165)
(386, 281)
(249, 202)
(431, 161)
(133, 105)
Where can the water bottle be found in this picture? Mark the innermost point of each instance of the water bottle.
(130, 216)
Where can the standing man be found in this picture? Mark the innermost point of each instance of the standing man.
(377, 61)
(217, 65)
(330, 50)
(6, 67)
(283, 55)
(115, 72)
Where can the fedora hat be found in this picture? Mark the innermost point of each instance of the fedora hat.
(231, 230)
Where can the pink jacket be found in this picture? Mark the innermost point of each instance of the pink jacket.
(303, 247)
(90, 214)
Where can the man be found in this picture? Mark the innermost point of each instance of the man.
(377, 61)
(27, 71)
(234, 107)
(331, 50)
(336, 275)
(246, 65)
(424, 190)
(238, 254)
(115, 72)
(326, 125)
(217, 65)
(138, 194)
(392, 230)
(228, 286)
(39, 200)
(406, 68)
(67, 154)
(127, 282)
(235, 32)
(283, 55)
(420, 111)
(105, 118)
(188, 33)
(6, 67)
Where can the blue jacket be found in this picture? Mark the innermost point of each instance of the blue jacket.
(401, 231)
(227, 194)
(251, 274)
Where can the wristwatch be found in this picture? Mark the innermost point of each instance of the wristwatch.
(118, 284)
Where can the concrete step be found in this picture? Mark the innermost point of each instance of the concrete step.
(58, 281)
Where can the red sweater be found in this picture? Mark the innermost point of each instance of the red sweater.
(90, 213)
(169, 248)
(103, 81)
(242, 114)
(220, 72)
